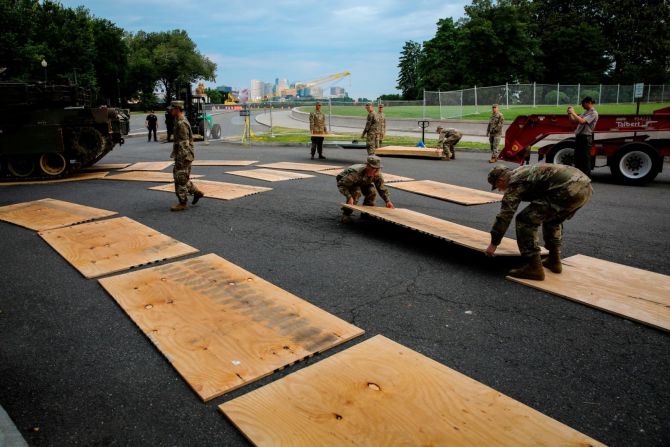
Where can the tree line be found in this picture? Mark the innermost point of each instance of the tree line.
(544, 41)
(95, 53)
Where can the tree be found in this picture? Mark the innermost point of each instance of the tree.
(498, 43)
(215, 96)
(111, 59)
(408, 78)
(441, 64)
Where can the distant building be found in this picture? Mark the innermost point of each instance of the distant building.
(268, 88)
(282, 84)
(257, 89)
(338, 92)
(224, 88)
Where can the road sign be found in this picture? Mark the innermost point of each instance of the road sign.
(639, 90)
(244, 113)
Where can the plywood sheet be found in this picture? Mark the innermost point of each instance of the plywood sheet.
(45, 214)
(219, 190)
(110, 246)
(443, 229)
(388, 178)
(148, 166)
(223, 162)
(450, 193)
(142, 176)
(270, 175)
(407, 151)
(73, 178)
(629, 292)
(380, 393)
(299, 166)
(221, 326)
(106, 166)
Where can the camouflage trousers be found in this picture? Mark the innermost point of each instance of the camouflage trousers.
(182, 180)
(550, 212)
(448, 146)
(372, 143)
(369, 192)
(494, 140)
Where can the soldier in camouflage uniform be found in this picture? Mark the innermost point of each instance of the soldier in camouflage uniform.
(362, 179)
(183, 154)
(317, 125)
(371, 130)
(494, 131)
(382, 124)
(448, 139)
(555, 193)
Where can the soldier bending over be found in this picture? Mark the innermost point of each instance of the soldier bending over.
(555, 193)
(448, 139)
(362, 179)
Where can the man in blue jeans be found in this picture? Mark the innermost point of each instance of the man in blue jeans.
(584, 134)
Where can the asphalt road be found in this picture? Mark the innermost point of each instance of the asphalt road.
(75, 370)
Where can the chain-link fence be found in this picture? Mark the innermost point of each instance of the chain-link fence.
(471, 101)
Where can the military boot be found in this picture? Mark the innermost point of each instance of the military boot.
(553, 261)
(197, 196)
(493, 160)
(179, 207)
(532, 270)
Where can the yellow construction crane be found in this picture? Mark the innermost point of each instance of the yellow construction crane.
(314, 83)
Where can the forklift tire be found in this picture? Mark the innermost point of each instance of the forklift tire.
(635, 164)
(205, 130)
(216, 131)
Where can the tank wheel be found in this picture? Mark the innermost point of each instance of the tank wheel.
(53, 163)
(21, 166)
(635, 164)
(88, 143)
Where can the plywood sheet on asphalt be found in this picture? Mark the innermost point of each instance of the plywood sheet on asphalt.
(443, 229)
(106, 166)
(382, 393)
(629, 292)
(148, 166)
(407, 151)
(110, 246)
(221, 326)
(270, 175)
(388, 178)
(146, 176)
(72, 178)
(450, 193)
(223, 162)
(299, 166)
(45, 214)
(219, 190)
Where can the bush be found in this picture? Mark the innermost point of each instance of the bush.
(592, 93)
(550, 98)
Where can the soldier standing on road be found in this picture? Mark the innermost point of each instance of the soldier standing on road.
(382, 124)
(371, 130)
(151, 123)
(169, 124)
(494, 131)
(362, 179)
(555, 193)
(584, 134)
(448, 139)
(317, 125)
(183, 154)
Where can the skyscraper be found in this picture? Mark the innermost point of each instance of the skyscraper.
(256, 91)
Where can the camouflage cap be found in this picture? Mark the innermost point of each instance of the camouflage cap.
(495, 174)
(439, 128)
(374, 161)
(368, 104)
(494, 106)
(177, 105)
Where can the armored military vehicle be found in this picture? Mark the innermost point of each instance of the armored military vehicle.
(51, 131)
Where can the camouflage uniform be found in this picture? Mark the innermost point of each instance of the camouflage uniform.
(555, 193)
(352, 182)
(448, 139)
(494, 132)
(182, 152)
(317, 125)
(372, 132)
(382, 128)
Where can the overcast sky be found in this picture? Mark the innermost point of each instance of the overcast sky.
(295, 39)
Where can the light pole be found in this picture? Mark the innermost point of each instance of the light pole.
(118, 90)
(44, 65)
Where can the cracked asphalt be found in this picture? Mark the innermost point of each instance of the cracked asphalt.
(75, 370)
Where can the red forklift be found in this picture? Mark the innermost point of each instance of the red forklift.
(635, 158)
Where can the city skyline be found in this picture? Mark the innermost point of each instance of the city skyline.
(298, 40)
